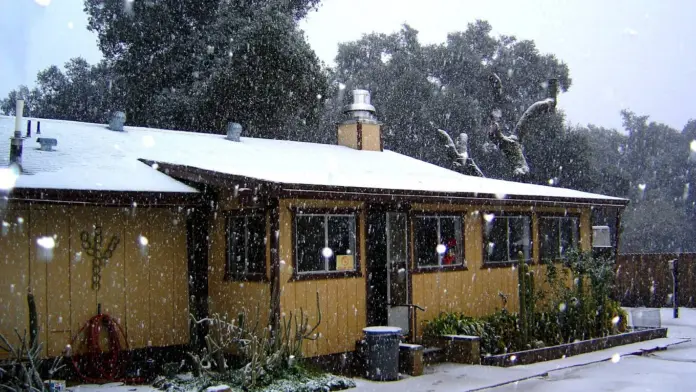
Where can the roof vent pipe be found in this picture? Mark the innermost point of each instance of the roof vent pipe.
(117, 121)
(16, 142)
(234, 131)
(361, 109)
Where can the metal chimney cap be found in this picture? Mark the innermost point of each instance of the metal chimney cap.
(361, 102)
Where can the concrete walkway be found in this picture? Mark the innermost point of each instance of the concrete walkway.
(540, 376)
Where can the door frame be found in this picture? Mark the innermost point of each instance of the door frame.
(408, 271)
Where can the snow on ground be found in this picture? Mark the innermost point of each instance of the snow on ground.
(112, 387)
(613, 369)
(669, 370)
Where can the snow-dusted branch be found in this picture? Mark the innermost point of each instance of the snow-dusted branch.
(545, 106)
(511, 145)
(459, 153)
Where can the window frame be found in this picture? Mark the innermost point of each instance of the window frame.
(507, 215)
(246, 276)
(541, 216)
(461, 265)
(326, 212)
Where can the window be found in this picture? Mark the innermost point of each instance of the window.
(558, 236)
(506, 236)
(325, 243)
(246, 247)
(439, 241)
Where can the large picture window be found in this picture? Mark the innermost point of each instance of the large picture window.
(246, 247)
(506, 236)
(325, 243)
(439, 241)
(558, 235)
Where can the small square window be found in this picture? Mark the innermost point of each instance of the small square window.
(325, 243)
(246, 247)
(439, 241)
(505, 237)
(558, 235)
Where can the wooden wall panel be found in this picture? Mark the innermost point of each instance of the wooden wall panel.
(177, 244)
(61, 278)
(14, 281)
(342, 301)
(83, 299)
(56, 222)
(40, 261)
(137, 277)
(112, 294)
(476, 291)
(161, 282)
(230, 298)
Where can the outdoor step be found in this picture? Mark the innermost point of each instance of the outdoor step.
(432, 355)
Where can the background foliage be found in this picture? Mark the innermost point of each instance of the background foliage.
(198, 64)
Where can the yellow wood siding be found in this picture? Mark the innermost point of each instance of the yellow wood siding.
(230, 298)
(145, 288)
(342, 300)
(476, 291)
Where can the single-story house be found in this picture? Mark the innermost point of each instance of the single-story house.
(155, 225)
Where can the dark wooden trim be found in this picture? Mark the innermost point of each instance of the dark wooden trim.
(197, 246)
(501, 264)
(325, 275)
(275, 263)
(619, 214)
(325, 210)
(298, 276)
(414, 196)
(443, 268)
(247, 277)
(105, 198)
(358, 127)
(381, 140)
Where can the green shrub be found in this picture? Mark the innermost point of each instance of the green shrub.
(576, 312)
(453, 324)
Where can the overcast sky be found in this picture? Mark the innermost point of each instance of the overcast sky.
(622, 54)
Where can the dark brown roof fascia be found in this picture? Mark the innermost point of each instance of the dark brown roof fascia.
(110, 198)
(324, 192)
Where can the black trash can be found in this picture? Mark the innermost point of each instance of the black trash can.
(382, 353)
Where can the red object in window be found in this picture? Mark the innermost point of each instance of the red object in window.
(450, 254)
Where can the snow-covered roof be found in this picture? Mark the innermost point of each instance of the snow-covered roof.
(90, 156)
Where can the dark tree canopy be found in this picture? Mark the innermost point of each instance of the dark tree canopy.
(197, 64)
(419, 88)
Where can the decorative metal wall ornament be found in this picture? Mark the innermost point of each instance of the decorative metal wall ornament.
(93, 248)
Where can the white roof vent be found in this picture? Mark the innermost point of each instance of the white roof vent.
(234, 131)
(601, 237)
(117, 121)
(47, 143)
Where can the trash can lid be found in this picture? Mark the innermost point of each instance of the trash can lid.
(382, 330)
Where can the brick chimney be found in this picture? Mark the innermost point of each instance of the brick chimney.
(360, 130)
